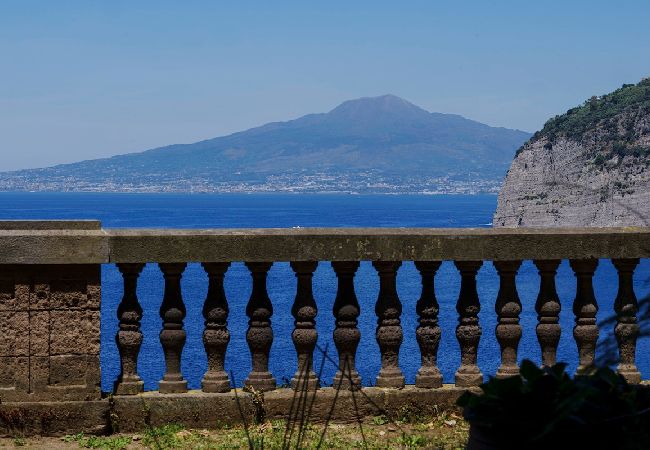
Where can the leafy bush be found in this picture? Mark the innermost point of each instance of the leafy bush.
(545, 407)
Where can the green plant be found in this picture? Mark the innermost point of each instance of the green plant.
(380, 420)
(412, 441)
(166, 436)
(71, 437)
(409, 414)
(102, 442)
(546, 407)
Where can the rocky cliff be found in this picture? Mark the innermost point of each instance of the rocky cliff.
(588, 167)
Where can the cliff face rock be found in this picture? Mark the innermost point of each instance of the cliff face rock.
(588, 167)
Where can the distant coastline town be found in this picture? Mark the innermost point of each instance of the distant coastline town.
(367, 182)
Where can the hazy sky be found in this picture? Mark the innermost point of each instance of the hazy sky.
(86, 79)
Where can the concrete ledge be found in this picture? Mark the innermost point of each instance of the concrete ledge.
(197, 409)
(96, 246)
(50, 225)
(54, 418)
(52, 242)
(53, 247)
(358, 244)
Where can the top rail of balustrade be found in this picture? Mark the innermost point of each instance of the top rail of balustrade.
(389, 244)
(87, 243)
(53, 242)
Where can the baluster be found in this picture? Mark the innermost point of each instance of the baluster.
(468, 331)
(428, 332)
(304, 335)
(346, 333)
(260, 334)
(508, 307)
(216, 335)
(627, 328)
(129, 336)
(548, 311)
(585, 308)
(389, 329)
(172, 336)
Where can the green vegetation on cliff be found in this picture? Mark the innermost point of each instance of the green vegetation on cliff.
(611, 121)
(576, 121)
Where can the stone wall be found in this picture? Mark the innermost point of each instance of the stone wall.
(49, 321)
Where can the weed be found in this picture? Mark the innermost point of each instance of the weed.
(257, 397)
(410, 414)
(380, 420)
(101, 442)
(413, 441)
(165, 436)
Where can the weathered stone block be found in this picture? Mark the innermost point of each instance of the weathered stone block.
(49, 323)
(7, 293)
(39, 297)
(74, 332)
(14, 375)
(62, 378)
(71, 294)
(14, 293)
(14, 329)
(70, 370)
(67, 287)
(39, 333)
(54, 418)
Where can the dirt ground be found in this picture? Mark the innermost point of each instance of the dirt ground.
(446, 431)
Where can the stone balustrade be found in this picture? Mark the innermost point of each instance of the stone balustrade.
(50, 302)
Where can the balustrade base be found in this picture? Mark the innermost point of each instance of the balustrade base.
(388, 378)
(468, 379)
(350, 382)
(172, 387)
(428, 379)
(129, 387)
(55, 418)
(197, 409)
(507, 372)
(308, 383)
(216, 383)
(261, 381)
(632, 375)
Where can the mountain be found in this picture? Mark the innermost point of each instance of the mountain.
(588, 167)
(378, 144)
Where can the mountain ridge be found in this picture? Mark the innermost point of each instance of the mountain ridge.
(385, 135)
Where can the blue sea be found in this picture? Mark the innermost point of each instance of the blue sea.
(273, 210)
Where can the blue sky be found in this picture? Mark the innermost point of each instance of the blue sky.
(85, 79)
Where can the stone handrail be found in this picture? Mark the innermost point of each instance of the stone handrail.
(45, 243)
(50, 293)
